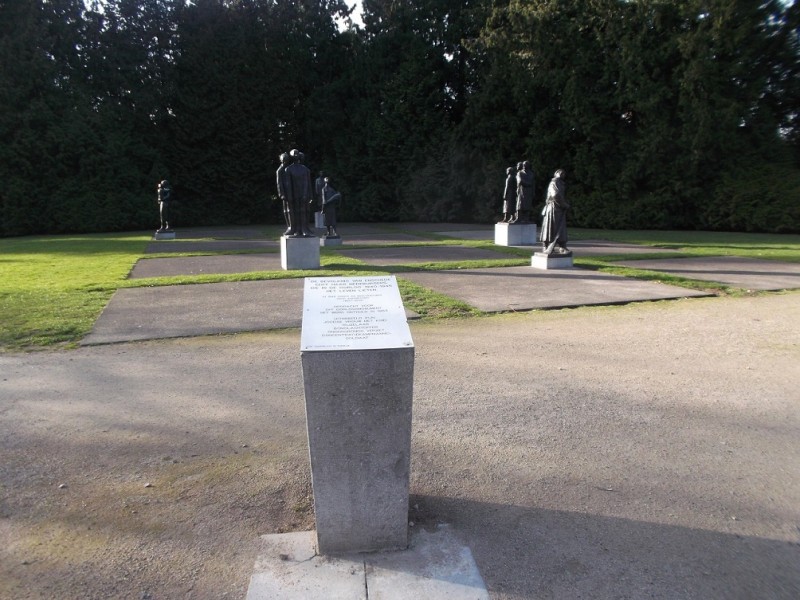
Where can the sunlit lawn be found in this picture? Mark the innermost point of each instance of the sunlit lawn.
(53, 288)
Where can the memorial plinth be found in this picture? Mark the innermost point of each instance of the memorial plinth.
(541, 260)
(326, 241)
(164, 234)
(515, 234)
(299, 253)
(358, 373)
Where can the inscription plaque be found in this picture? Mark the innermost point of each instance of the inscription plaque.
(353, 313)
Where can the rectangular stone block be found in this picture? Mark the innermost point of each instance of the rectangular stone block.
(515, 234)
(324, 241)
(299, 253)
(358, 372)
(540, 260)
(319, 220)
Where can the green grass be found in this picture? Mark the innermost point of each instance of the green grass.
(53, 288)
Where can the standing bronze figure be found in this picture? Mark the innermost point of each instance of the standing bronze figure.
(330, 199)
(554, 223)
(524, 194)
(294, 187)
(164, 194)
(282, 184)
(509, 195)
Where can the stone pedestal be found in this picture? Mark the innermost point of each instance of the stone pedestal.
(540, 260)
(168, 234)
(299, 253)
(358, 373)
(515, 234)
(319, 220)
(326, 241)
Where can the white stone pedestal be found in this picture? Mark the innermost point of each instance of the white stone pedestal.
(299, 253)
(319, 220)
(358, 374)
(325, 241)
(540, 260)
(515, 234)
(164, 235)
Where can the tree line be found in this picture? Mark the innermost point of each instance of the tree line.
(680, 114)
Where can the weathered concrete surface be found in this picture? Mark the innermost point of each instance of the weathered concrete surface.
(639, 451)
(526, 288)
(420, 254)
(298, 254)
(435, 566)
(223, 245)
(741, 272)
(358, 409)
(179, 311)
(206, 265)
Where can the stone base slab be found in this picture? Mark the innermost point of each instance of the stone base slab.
(540, 260)
(436, 565)
(299, 253)
(164, 235)
(326, 241)
(515, 234)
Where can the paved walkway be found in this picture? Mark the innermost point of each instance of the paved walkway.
(202, 309)
(736, 271)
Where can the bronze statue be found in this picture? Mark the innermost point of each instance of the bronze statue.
(554, 223)
(281, 181)
(163, 194)
(525, 188)
(294, 181)
(330, 199)
(509, 196)
(319, 183)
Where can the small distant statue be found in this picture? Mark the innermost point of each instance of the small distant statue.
(525, 183)
(297, 181)
(319, 183)
(554, 224)
(283, 193)
(509, 196)
(163, 194)
(330, 199)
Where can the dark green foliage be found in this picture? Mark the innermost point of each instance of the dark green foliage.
(665, 114)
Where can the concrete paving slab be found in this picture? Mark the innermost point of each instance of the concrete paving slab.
(381, 238)
(206, 265)
(606, 247)
(421, 254)
(526, 288)
(205, 309)
(738, 271)
(210, 246)
(436, 565)
(188, 310)
(289, 568)
(471, 234)
(242, 232)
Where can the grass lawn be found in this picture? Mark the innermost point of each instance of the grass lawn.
(53, 288)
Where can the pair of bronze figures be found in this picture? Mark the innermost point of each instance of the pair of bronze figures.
(293, 180)
(518, 204)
